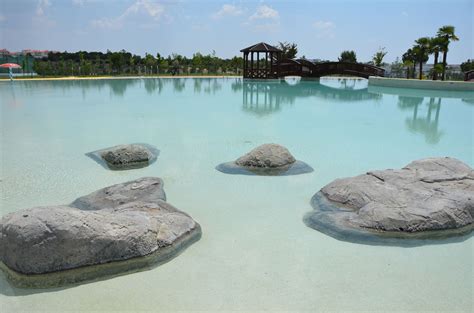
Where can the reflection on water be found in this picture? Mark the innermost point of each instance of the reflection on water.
(153, 85)
(469, 100)
(426, 93)
(339, 130)
(266, 97)
(118, 87)
(207, 85)
(179, 84)
(346, 83)
(426, 125)
(262, 98)
(413, 99)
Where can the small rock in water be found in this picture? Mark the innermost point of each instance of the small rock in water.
(267, 159)
(427, 199)
(267, 156)
(123, 157)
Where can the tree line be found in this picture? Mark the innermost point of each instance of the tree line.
(426, 46)
(83, 63)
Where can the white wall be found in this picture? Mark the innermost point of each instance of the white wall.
(421, 84)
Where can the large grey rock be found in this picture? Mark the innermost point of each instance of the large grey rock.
(267, 159)
(123, 222)
(124, 157)
(145, 189)
(268, 155)
(425, 198)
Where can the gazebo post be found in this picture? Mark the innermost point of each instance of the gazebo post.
(251, 63)
(271, 63)
(266, 64)
(246, 64)
(278, 63)
(258, 65)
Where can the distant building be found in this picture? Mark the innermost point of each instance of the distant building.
(4, 53)
(453, 71)
(36, 53)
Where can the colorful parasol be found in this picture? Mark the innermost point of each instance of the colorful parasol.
(10, 65)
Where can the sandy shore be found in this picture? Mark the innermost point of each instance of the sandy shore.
(115, 77)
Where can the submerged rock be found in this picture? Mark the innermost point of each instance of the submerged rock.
(124, 157)
(267, 159)
(427, 199)
(127, 224)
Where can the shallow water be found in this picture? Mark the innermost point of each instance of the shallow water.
(256, 254)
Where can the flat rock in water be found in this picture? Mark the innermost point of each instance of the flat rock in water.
(145, 189)
(427, 199)
(124, 157)
(267, 159)
(128, 224)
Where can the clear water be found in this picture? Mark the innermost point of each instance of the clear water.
(256, 254)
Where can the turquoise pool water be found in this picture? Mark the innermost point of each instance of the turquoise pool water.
(256, 254)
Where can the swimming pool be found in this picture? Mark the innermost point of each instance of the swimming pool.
(256, 253)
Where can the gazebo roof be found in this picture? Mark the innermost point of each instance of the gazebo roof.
(261, 47)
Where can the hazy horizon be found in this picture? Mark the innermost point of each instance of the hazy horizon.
(322, 29)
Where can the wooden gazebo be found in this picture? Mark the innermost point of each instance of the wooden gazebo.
(261, 68)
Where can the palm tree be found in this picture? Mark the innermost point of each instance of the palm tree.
(378, 57)
(436, 46)
(421, 51)
(447, 33)
(408, 60)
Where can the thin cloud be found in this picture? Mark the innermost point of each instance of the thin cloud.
(324, 29)
(265, 19)
(265, 12)
(41, 7)
(79, 2)
(2, 18)
(108, 23)
(82, 3)
(228, 10)
(153, 9)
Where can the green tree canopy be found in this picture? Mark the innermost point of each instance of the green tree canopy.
(409, 61)
(348, 56)
(421, 52)
(447, 34)
(467, 66)
(378, 57)
(290, 50)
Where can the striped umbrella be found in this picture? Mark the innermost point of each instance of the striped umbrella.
(10, 65)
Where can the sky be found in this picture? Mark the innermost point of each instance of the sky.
(321, 29)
